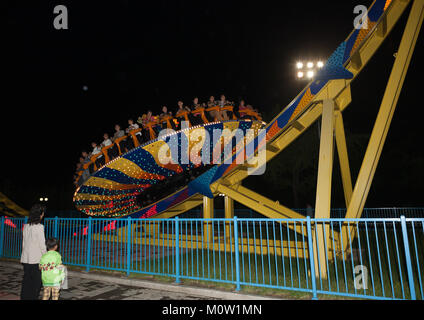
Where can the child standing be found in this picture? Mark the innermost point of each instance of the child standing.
(52, 273)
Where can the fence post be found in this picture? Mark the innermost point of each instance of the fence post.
(129, 245)
(177, 251)
(1, 235)
(408, 258)
(88, 258)
(311, 258)
(55, 226)
(236, 251)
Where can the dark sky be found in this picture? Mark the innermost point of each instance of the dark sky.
(139, 55)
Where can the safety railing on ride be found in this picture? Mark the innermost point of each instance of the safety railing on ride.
(357, 258)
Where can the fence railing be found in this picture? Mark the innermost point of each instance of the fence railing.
(357, 258)
(335, 213)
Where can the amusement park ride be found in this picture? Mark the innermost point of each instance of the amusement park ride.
(114, 190)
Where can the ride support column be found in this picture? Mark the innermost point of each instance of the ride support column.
(229, 214)
(208, 210)
(323, 196)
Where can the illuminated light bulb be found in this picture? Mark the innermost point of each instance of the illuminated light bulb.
(310, 65)
(310, 74)
(320, 64)
(299, 65)
(300, 74)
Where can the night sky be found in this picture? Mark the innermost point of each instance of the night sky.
(140, 55)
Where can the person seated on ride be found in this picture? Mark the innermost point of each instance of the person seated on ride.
(198, 116)
(213, 114)
(166, 117)
(100, 160)
(81, 161)
(258, 117)
(142, 122)
(242, 110)
(133, 126)
(118, 134)
(152, 120)
(223, 102)
(107, 142)
(78, 174)
(181, 117)
(149, 117)
(86, 172)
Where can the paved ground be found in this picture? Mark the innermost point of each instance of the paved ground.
(88, 289)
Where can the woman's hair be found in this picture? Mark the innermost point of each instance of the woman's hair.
(51, 243)
(35, 213)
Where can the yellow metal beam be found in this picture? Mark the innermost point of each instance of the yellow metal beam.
(323, 196)
(229, 214)
(343, 157)
(208, 209)
(229, 207)
(259, 203)
(325, 165)
(187, 205)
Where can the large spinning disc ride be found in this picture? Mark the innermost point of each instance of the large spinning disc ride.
(141, 184)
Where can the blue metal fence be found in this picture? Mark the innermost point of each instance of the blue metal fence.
(335, 213)
(360, 258)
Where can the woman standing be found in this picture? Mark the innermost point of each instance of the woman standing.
(33, 247)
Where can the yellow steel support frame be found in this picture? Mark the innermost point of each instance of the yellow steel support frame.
(323, 195)
(229, 207)
(208, 208)
(229, 214)
(343, 157)
(325, 165)
(385, 114)
(387, 108)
